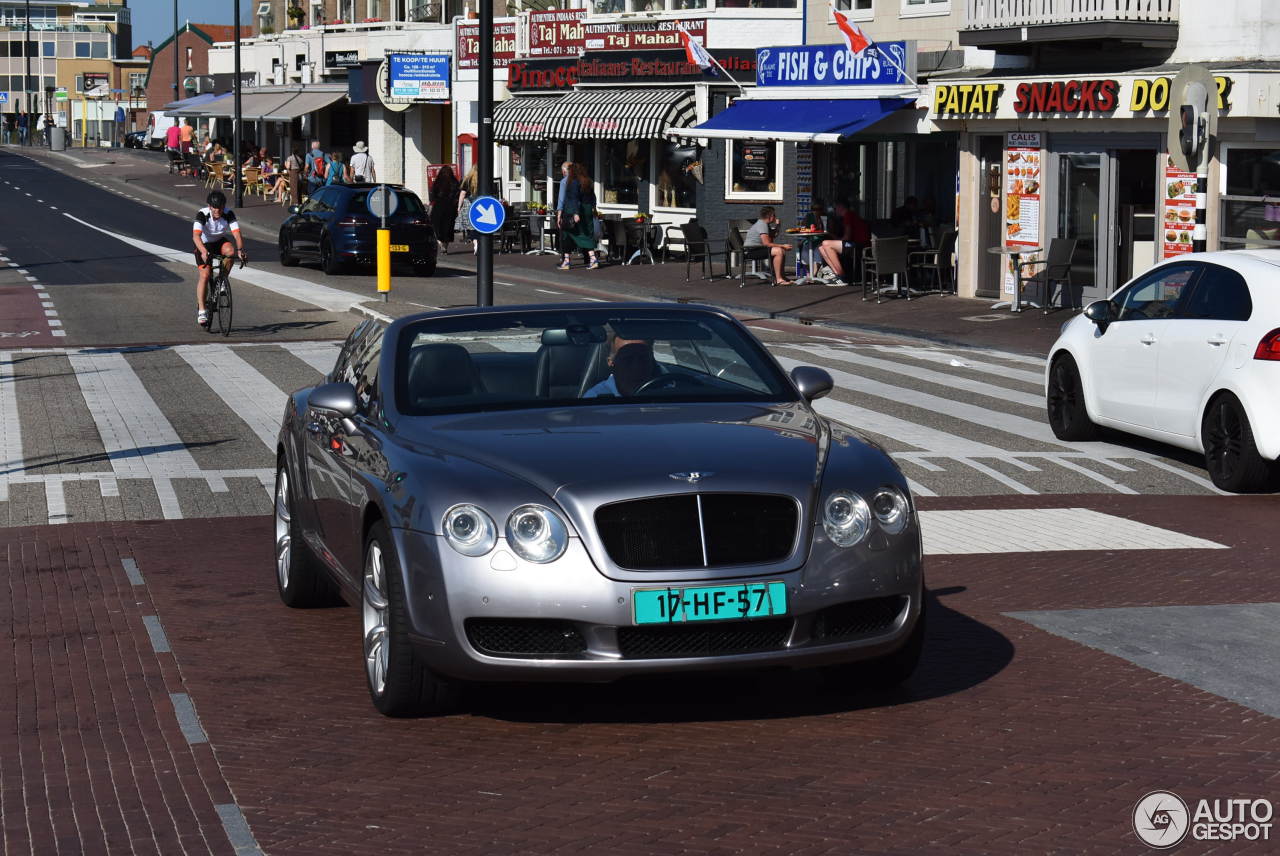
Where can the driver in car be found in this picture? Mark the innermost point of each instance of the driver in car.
(632, 364)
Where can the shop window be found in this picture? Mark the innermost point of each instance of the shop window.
(677, 166)
(622, 164)
(515, 165)
(755, 170)
(79, 83)
(1250, 204)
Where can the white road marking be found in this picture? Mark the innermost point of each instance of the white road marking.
(244, 389)
(10, 427)
(55, 502)
(1034, 530)
(548, 291)
(138, 439)
(321, 356)
(945, 357)
(332, 299)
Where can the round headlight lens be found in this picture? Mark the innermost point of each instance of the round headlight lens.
(469, 530)
(846, 518)
(537, 534)
(891, 509)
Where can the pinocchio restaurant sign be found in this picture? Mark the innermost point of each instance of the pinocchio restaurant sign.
(1074, 97)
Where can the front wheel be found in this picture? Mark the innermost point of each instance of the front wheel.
(287, 258)
(222, 303)
(1068, 416)
(400, 684)
(300, 580)
(1230, 453)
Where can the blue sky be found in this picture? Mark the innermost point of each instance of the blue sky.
(153, 19)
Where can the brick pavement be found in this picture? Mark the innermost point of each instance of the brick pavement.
(1009, 739)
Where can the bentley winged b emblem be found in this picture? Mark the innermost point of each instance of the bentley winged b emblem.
(691, 478)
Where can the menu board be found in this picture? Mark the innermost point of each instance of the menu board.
(1179, 223)
(1022, 184)
(804, 180)
(756, 159)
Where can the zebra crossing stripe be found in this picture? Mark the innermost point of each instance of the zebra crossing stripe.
(321, 356)
(244, 389)
(973, 362)
(10, 427)
(138, 439)
(963, 384)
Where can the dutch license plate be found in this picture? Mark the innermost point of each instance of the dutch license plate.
(399, 248)
(709, 603)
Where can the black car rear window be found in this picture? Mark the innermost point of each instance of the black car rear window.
(409, 203)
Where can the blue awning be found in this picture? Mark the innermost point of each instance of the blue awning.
(824, 120)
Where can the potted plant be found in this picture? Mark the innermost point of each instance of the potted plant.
(296, 14)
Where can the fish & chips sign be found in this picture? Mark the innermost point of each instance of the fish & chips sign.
(834, 65)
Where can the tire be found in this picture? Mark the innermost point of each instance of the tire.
(223, 305)
(287, 259)
(1230, 453)
(883, 673)
(329, 262)
(1064, 401)
(300, 579)
(399, 682)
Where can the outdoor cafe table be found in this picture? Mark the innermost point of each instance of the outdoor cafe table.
(809, 242)
(1015, 254)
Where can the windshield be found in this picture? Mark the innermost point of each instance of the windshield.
(556, 358)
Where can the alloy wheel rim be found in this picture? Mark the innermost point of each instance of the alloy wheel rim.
(1225, 439)
(1061, 396)
(375, 619)
(284, 538)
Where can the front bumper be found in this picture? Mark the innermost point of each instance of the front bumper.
(567, 622)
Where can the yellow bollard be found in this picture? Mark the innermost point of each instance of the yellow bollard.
(384, 262)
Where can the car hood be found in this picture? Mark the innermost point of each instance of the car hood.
(596, 454)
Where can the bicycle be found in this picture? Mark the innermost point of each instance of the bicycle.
(217, 297)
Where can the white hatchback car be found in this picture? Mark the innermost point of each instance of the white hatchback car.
(1187, 353)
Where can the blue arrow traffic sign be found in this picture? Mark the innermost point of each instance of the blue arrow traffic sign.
(4, 97)
(486, 215)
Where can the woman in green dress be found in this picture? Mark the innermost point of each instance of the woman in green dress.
(578, 217)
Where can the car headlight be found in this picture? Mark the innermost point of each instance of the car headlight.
(469, 530)
(537, 534)
(891, 509)
(846, 518)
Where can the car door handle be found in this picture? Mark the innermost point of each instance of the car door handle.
(1217, 340)
(1148, 339)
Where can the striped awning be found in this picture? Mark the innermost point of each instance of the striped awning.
(523, 119)
(620, 114)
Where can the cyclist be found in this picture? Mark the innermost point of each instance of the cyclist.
(214, 230)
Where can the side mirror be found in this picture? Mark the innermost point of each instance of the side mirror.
(813, 383)
(293, 209)
(339, 398)
(1099, 312)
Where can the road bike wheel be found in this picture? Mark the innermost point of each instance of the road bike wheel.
(223, 302)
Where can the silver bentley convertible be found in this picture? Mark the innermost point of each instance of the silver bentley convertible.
(586, 493)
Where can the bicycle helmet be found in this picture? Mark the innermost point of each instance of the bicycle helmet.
(217, 199)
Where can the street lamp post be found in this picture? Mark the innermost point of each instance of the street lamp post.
(235, 123)
(176, 91)
(26, 78)
(484, 161)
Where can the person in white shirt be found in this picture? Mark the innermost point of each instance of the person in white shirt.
(214, 231)
(362, 163)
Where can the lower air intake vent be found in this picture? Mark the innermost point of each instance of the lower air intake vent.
(730, 637)
(857, 618)
(525, 637)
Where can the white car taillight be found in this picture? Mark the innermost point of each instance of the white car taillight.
(1269, 347)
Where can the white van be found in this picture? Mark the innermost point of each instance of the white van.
(158, 124)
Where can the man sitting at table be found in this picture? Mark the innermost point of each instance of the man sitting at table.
(759, 244)
(854, 236)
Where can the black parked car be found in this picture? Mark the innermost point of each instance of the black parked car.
(135, 139)
(335, 227)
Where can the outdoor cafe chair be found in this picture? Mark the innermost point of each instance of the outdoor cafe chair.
(937, 262)
(1057, 271)
(176, 162)
(886, 257)
(252, 179)
(746, 261)
(697, 248)
(616, 233)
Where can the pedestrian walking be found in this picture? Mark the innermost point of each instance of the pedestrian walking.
(578, 217)
(362, 168)
(444, 206)
(338, 171)
(186, 133)
(466, 194)
(24, 122)
(9, 128)
(317, 166)
(48, 129)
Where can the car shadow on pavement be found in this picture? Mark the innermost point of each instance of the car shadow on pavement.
(959, 652)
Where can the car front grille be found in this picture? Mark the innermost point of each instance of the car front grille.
(698, 530)
(525, 637)
(857, 618)
(730, 637)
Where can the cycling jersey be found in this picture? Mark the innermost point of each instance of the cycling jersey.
(212, 228)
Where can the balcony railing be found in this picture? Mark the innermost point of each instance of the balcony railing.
(998, 14)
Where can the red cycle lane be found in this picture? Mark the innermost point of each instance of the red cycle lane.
(24, 321)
